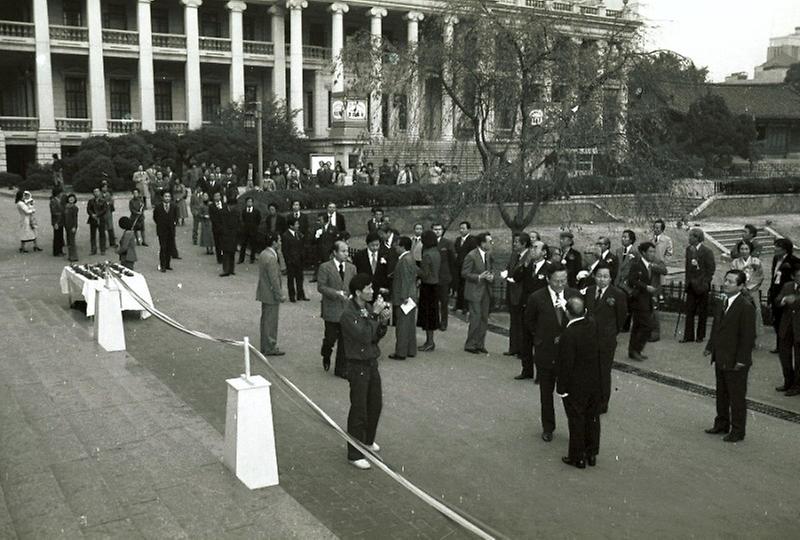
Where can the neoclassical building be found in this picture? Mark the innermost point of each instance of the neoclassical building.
(71, 69)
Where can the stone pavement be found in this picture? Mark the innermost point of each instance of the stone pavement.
(455, 424)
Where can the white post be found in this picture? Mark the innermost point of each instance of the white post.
(337, 9)
(279, 50)
(413, 18)
(236, 8)
(295, 8)
(249, 433)
(146, 85)
(448, 114)
(48, 141)
(194, 102)
(376, 16)
(97, 82)
(108, 330)
(247, 358)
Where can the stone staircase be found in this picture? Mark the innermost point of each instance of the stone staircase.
(725, 240)
(464, 154)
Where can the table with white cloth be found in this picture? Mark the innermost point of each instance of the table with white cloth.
(79, 287)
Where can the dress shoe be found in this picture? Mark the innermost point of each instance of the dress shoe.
(482, 350)
(523, 376)
(292, 300)
(226, 274)
(579, 463)
(716, 430)
(774, 351)
(169, 268)
(428, 347)
(163, 270)
(731, 437)
(536, 380)
(547, 436)
(233, 273)
(686, 341)
(326, 364)
(362, 464)
(699, 340)
(604, 409)
(305, 299)
(654, 340)
(276, 352)
(145, 244)
(794, 391)
(443, 328)
(782, 388)
(179, 258)
(395, 357)
(509, 353)
(340, 374)
(473, 351)
(635, 356)
(374, 447)
(591, 461)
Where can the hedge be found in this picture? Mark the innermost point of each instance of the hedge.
(10, 180)
(760, 186)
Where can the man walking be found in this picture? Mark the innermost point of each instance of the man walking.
(733, 335)
(514, 290)
(699, 271)
(641, 299)
(270, 293)
(533, 276)
(166, 216)
(478, 277)
(333, 282)
(404, 300)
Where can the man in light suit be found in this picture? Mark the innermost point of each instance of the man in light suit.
(733, 336)
(447, 272)
(789, 334)
(333, 282)
(699, 270)
(404, 287)
(270, 293)
(664, 254)
(478, 278)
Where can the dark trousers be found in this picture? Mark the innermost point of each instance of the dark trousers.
(96, 229)
(228, 261)
(606, 356)
(641, 326)
(516, 330)
(777, 311)
(166, 245)
(460, 303)
(526, 352)
(196, 224)
(112, 238)
(731, 402)
(269, 327)
(584, 424)
(72, 248)
(547, 385)
(58, 241)
(248, 239)
(478, 322)
(333, 336)
(443, 293)
(217, 244)
(696, 305)
(405, 333)
(366, 401)
(789, 354)
(294, 281)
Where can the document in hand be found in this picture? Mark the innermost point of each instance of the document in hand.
(407, 306)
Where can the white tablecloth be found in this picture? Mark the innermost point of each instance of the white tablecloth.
(81, 288)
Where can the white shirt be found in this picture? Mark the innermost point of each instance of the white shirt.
(332, 219)
(730, 301)
(483, 256)
(538, 266)
(776, 279)
(602, 292)
(557, 298)
(574, 321)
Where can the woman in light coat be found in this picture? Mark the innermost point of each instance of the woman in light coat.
(27, 221)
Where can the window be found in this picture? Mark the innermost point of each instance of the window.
(75, 96)
(560, 92)
(72, 13)
(159, 20)
(584, 163)
(209, 24)
(316, 35)
(120, 90)
(248, 28)
(250, 93)
(115, 17)
(163, 97)
(330, 103)
(308, 110)
(211, 101)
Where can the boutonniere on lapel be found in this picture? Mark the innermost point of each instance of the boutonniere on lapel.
(383, 260)
(557, 340)
(610, 301)
(364, 312)
(563, 261)
(609, 260)
(540, 276)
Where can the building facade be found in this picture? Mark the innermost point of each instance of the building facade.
(71, 69)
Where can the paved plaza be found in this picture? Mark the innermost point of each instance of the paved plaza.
(129, 444)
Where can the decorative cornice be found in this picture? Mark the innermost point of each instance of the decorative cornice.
(296, 4)
(339, 7)
(451, 20)
(192, 3)
(377, 13)
(414, 16)
(277, 10)
(236, 5)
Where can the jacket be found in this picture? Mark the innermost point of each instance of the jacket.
(380, 279)
(472, 268)
(269, 278)
(361, 332)
(608, 314)
(578, 365)
(639, 278)
(790, 318)
(330, 285)
(404, 282)
(542, 322)
(165, 220)
(699, 269)
(292, 248)
(447, 254)
(431, 266)
(531, 279)
(733, 334)
(126, 249)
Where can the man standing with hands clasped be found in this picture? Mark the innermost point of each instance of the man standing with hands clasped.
(404, 294)
(363, 325)
(270, 294)
(733, 336)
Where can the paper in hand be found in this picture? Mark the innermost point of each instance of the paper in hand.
(407, 306)
(504, 274)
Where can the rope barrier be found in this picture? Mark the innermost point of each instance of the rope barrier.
(458, 516)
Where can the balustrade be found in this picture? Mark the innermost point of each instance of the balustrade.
(169, 41)
(16, 29)
(73, 125)
(120, 37)
(19, 123)
(178, 127)
(69, 33)
(259, 47)
(124, 126)
(215, 44)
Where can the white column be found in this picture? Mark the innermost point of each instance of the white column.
(97, 81)
(44, 70)
(236, 8)
(146, 84)
(376, 16)
(194, 100)
(337, 9)
(413, 18)
(448, 114)
(321, 113)
(295, 8)
(279, 47)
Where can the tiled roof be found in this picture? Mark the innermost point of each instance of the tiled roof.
(781, 60)
(763, 101)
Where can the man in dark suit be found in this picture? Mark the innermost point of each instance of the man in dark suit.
(546, 319)
(375, 222)
(335, 220)
(782, 264)
(273, 221)
(699, 271)
(231, 223)
(733, 336)
(250, 219)
(607, 306)
(372, 262)
(570, 257)
(521, 251)
(788, 301)
(533, 276)
(463, 245)
(270, 293)
(404, 288)
(604, 258)
(642, 301)
(292, 248)
(447, 273)
(333, 284)
(296, 214)
(578, 369)
(166, 216)
(478, 275)
(215, 210)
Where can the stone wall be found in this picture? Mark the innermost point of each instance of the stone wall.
(751, 205)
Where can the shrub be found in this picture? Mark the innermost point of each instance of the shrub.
(89, 177)
(757, 186)
(10, 180)
(38, 177)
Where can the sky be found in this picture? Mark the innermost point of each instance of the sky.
(727, 36)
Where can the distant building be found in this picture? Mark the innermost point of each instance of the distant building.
(783, 51)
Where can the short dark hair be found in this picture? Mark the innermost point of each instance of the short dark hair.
(271, 238)
(429, 239)
(373, 236)
(249, 199)
(467, 223)
(296, 201)
(602, 265)
(644, 246)
(73, 197)
(481, 238)
(376, 209)
(436, 224)
(358, 283)
(741, 243)
(631, 235)
(660, 222)
(293, 220)
(524, 239)
(785, 244)
(741, 277)
(555, 267)
(125, 223)
(272, 205)
(404, 242)
(752, 229)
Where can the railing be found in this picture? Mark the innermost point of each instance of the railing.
(613, 13)
(259, 47)
(562, 6)
(312, 52)
(16, 29)
(586, 10)
(124, 126)
(69, 33)
(215, 44)
(169, 41)
(73, 125)
(120, 37)
(19, 123)
(538, 4)
(177, 127)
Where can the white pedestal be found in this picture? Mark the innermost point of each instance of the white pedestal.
(249, 434)
(108, 330)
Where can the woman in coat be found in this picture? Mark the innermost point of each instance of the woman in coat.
(27, 221)
(752, 268)
(179, 192)
(428, 314)
(71, 225)
(206, 234)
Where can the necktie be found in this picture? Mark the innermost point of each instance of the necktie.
(372, 257)
(341, 271)
(725, 304)
(297, 216)
(599, 294)
(559, 311)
